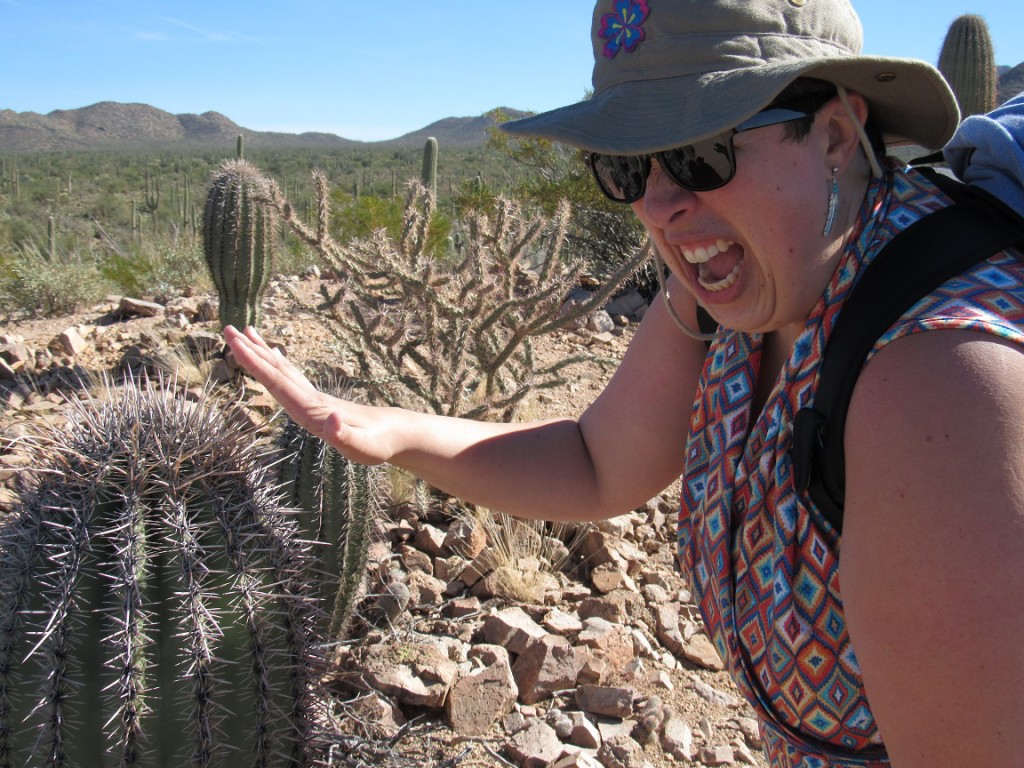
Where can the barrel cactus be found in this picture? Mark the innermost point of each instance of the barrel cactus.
(240, 234)
(155, 605)
(340, 502)
(968, 63)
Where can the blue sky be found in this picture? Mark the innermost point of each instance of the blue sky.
(370, 70)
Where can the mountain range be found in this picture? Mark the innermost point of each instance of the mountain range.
(113, 125)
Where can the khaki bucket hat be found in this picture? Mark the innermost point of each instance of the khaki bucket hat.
(671, 72)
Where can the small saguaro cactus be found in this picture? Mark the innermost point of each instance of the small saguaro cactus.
(239, 240)
(155, 605)
(341, 502)
(967, 61)
(429, 174)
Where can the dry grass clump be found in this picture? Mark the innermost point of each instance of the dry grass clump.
(524, 555)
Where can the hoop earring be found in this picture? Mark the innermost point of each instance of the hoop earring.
(659, 268)
(833, 202)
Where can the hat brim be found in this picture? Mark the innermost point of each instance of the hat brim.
(910, 101)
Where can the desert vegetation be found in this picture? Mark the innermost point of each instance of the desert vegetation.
(433, 290)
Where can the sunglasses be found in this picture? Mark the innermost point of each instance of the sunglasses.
(699, 167)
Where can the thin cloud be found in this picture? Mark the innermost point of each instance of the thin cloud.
(196, 35)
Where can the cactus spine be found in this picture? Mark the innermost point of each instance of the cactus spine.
(967, 61)
(429, 174)
(239, 238)
(153, 596)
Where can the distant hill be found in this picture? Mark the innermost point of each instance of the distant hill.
(1011, 82)
(112, 125)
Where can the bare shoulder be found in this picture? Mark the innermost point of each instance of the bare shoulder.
(932, 563)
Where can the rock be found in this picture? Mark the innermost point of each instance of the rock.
(561, 623)
(600, 322)
(418, 674)
(7, 371)
(715, 696)
(462, 606)
(701, 651)
(717, 755)
(629, 304)
(429, 540)
(677, 739)
(609, 577)
(416, 560)
(481, 698)
(70, 342)
(609, 641)
(583, 732)
(513, 629)
(424, 589)
(466, 538)
(621, 752)
(603, 700)
(139, 308)
(591, 669)
(536, 746)
(378, 715)
(751, 731)
(546, 666)
(577, 760)
(742, 752)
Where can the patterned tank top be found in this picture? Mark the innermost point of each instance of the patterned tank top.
(762, 560)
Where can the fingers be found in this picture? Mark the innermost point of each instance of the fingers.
(272, 369)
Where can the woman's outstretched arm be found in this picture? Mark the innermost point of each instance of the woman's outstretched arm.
(626, 446)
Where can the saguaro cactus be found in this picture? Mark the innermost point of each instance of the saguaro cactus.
(341, 501)
(967, 61)
(239, 240)
(154, 606)
(429, 173)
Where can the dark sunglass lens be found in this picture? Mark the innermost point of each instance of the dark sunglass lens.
(621, 177)
(708, 164)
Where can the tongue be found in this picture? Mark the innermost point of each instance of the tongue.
(721, 265)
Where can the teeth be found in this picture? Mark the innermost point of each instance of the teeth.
(717, 285)
(705, 254)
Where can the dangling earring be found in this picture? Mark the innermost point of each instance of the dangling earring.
(833, 201)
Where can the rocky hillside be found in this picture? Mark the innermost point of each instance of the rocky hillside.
(1011, 82)
(112, 125)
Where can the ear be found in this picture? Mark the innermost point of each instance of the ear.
(843, 128)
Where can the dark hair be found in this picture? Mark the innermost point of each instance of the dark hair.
(812, 94)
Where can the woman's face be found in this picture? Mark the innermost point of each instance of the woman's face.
(752, 252)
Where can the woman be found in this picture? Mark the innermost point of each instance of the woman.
(746, 137)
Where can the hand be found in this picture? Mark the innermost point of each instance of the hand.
(359, 432)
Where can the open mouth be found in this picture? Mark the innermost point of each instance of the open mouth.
(718, 265)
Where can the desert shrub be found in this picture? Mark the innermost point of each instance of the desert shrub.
(154, 268)
(34, 286)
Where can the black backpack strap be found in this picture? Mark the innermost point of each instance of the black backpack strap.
(914, 263)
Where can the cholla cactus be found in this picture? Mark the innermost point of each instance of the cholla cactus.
(455, 337)
(239, 240)
(968, 63)
(154, 596)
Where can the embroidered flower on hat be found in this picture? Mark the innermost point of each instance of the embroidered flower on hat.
(623, 28)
